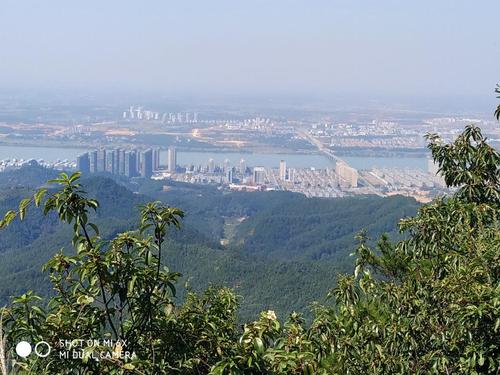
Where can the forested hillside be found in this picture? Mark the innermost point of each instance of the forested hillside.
(317, 228)
(282, 250)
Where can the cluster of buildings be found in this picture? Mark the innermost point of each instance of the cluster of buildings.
(393, 142)
(210, 173)
(421, 184)
(309, 181)
(314, 182)
(238, 176)
(139, 113)
(347, 176)
(256, 123)
(8, 164)
(328, 182)
(403, 135)
(405, 178)
(129, 163)
(372, 135)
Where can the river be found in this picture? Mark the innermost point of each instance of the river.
(52, 154)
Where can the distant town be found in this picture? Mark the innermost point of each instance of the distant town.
(341, 180)
(140, 142)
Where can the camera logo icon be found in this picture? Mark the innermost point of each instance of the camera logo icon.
(23, 349)
(42, 349)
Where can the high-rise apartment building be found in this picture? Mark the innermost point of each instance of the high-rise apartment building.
(121, 162)
(110, 161)
(229, 176)
(282, 170)
(259, 175)
(156, 159)
(211, 165)
(101, 161)
(147, 163)
(172, 159)
(348, 177)
(83, 163)
(243, 166)
(93, 161)
(130, 167)
(116, 161)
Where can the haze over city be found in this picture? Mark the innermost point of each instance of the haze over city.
(347, 49)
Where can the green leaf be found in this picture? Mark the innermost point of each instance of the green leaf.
(39, 196)
(22, 207)
(259, 345)
(75, 176)
(9, 216)
(131, 284)
(85, 300)
(95, 228)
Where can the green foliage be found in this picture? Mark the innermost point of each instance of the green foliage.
(427, 304)
(433, 313)
(497, 112)
(267, 347)
(469, 163)
(117, 289)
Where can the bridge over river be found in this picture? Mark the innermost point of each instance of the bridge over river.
(329, 153)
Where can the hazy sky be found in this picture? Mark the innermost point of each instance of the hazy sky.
(253, 46)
